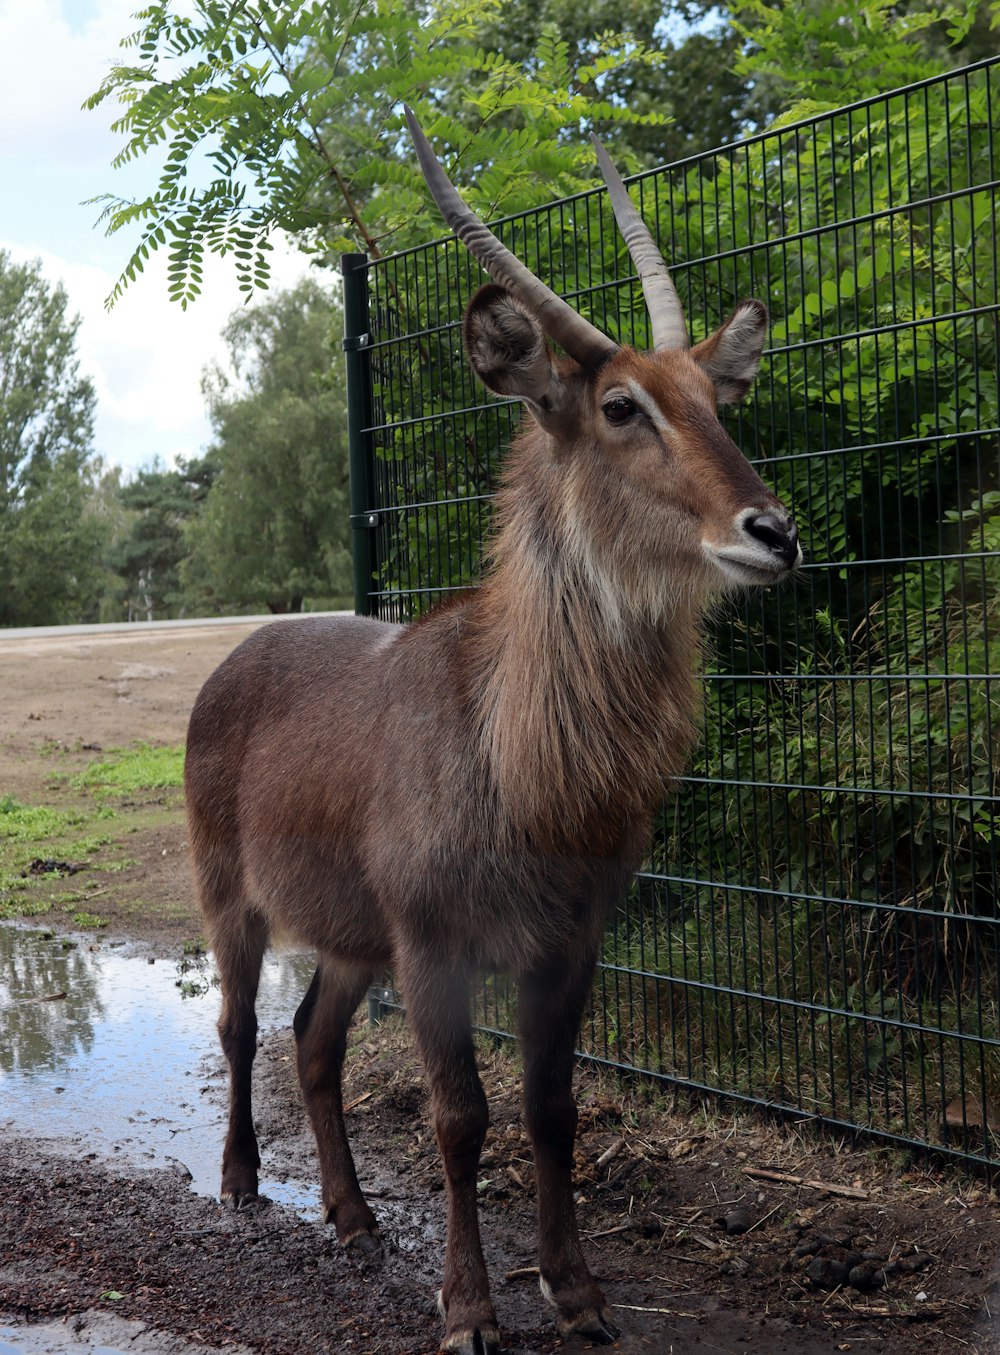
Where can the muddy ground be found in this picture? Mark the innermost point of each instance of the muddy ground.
(115, 1256)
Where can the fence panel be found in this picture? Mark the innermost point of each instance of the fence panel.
(816, 928)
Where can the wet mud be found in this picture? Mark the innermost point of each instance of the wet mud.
(113, 1106)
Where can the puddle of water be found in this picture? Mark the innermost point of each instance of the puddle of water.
(18, 1341)
(97, 1334)
(24, 1341)
(101, 1051)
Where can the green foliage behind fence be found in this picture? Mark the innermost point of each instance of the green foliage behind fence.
(817, 926)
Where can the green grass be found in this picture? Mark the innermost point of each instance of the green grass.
(33, 823)
(89, 920)
(90, 846)
(80, 832)
(11, 908)
(22, 829)
(140, 767)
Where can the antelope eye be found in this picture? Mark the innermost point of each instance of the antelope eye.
(618, 409)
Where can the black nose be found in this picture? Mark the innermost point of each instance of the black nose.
(780, 537)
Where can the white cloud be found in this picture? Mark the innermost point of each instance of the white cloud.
(48, 66)
(146, 356)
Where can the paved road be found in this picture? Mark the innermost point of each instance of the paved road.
(138, 627)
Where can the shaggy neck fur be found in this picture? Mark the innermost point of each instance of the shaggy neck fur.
(584, 720)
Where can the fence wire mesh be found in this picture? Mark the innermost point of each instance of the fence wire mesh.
(816, 928)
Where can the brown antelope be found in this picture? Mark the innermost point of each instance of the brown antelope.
(476, 789)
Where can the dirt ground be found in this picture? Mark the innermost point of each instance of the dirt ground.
(711, 1232)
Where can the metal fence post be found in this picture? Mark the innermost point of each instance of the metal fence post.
(364, 515)
(381, 999)
(357, 339)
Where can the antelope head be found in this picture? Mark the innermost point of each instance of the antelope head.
(651, 493)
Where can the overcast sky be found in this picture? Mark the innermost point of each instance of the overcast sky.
(146, 356)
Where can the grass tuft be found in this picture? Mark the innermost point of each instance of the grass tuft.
(89, 920)
(31, 823)
(141, 767)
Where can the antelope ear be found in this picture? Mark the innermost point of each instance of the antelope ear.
(731, 355)
(509, 353)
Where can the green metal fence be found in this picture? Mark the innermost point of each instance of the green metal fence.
(817, 927)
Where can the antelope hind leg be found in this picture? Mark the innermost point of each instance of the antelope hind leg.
(238, 958)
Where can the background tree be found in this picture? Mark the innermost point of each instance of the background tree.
(819, 54)
(273, 529)
(688, 88)
(147, 554)
(50, 541)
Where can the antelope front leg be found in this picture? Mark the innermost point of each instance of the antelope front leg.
(550, 1005)
(437, 1008)
(321, 1039)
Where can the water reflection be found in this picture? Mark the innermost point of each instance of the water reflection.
(38, 1027)
(124, 1061)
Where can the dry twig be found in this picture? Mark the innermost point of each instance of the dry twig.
(610, 1152)
(789, 1179)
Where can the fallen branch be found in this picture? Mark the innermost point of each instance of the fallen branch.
(358, 1099)
(607, 1232)
(789, 1179)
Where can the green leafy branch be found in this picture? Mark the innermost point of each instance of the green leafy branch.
(289, 118)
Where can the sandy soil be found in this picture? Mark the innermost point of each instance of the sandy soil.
(658, 1182)
(65, 701)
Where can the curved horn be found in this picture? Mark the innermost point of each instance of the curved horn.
(575, 335)
(666, 314)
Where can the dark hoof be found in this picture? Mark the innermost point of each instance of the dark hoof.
(592, 1327)
(239, 1199)
(362, 1244)
(482, 1341)
(603, 1333)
